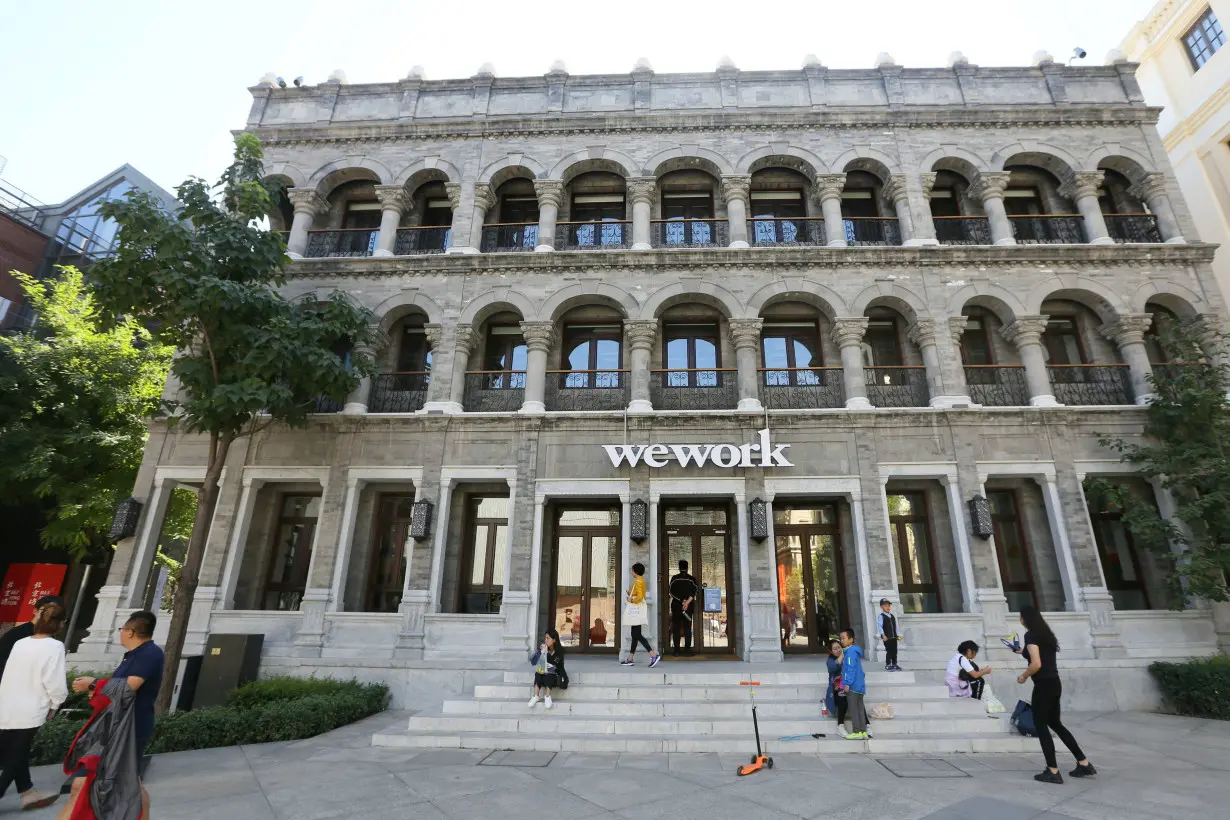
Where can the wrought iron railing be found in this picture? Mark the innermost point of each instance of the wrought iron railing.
(429, 239)
(399, 392)
(605, 235)
(1138, 228)
(786, 231)
(696, 389)
(587, 389)
(802, 388)
(346, 242)
(962, 230)
(997, 385)
(1049, 229)
(324, 404)
(871, 230)
(509, 236)
(1091, 384)
(494, 391)
(904, 386)
(688, 233)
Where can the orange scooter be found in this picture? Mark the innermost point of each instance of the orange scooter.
(759, 760)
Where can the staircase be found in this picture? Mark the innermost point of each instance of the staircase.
(700, 707)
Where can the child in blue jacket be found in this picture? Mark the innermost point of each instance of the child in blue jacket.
(854, 684)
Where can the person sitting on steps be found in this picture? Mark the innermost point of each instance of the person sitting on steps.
(964, 678)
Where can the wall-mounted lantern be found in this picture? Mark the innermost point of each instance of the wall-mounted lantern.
(420, 520)
(980, 517)
(639, 520)
(124, 525)
(758, 512)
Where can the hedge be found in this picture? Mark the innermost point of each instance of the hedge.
(1199, 688)
(266, 711)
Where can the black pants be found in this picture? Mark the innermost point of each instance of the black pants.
(842, 707)
(1047, 693)
(15, 757)
(681, 624)
(890, 651)
(638, 638)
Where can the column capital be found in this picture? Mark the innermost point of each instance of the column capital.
(464, 339)
(956, 327)
(928, 182)
(1150, 186)
(1128, 328)
(1081, 185)
(432, 331)
(829, 186)
(549, 192)
(1024, 330)
(641, 189)
(453, 191)
(307, 201)
(640, 334)
(895, 188)
(745, 332)
(848, 331)
(921, 331)
(484, 196)
(538, 335)
(394, 198)
(736, 186)
(1209, 323)
(380, 341)
(990, 185)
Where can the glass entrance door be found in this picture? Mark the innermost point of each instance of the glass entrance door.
(700, 536)
(811, 594)
(586, 599)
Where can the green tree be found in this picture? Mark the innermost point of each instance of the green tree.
(206, 280)
(1185, 449)
(73, 417)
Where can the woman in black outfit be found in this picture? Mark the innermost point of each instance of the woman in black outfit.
(1040, 647)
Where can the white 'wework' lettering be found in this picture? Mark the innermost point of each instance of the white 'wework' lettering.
(721, 455)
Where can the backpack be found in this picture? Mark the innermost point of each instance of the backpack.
(1023, 719)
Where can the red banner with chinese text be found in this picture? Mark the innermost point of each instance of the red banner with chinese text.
(24, 584)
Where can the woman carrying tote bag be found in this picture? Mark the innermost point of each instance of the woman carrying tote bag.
(637, 616)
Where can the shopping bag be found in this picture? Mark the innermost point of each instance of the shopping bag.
(882, 711)
(993, 704)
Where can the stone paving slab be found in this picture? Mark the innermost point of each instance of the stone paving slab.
(924, 767)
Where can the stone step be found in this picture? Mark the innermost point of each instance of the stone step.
(799, 710)
(646, 676)
(729, 694)
(657, 743)
(541, 721)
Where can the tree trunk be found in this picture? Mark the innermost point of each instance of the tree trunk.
(181, 606)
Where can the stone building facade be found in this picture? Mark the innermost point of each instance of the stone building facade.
(795, 327)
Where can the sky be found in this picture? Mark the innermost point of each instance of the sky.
(89, 86)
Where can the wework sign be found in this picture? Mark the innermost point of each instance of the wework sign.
(761, 454)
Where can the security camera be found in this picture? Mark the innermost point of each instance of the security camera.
(298, 82)
(1078, 53)
(281, 83)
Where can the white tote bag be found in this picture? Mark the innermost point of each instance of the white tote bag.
(635, 615)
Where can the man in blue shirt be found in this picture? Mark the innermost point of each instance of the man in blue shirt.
(854, 684)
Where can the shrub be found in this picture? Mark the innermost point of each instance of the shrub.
(272, 690)
(53, 739)
(1199, 688)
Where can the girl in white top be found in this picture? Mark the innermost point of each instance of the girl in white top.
(964, 678)
(33, 687)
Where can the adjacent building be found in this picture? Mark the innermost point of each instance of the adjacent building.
(831, 336)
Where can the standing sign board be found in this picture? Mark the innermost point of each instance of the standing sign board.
(24, 584)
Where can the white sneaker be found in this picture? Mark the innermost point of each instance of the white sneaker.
(534, 701)
(548, 701)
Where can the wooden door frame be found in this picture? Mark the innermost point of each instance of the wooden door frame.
(817, 645)
(278, 521)
(1020, 534)
(733, 620)
(587, 533)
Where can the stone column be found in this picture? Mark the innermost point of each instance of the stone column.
(1107, 639)
(1082, 189)
(152, 516)
(828, 190)
(639, 337)
(736, 191)
(1128, 334)
(970, 588)
(465, 337)
(895, 189)
(955, 369)
(538, 339)
(459, 229)
(484, 198)
(1072, 601)
(641, 192)
(241, 524)
(437, 388)
(989, 188)
(1152, 191)
(360, 398)
(746, 336)
(550, 194)
(1026, 333)
(394, 201)
(307, 205)
(345, 543)
(924, 223)
(922, 333)
(848, 334)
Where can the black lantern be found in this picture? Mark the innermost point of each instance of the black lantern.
(980, 516)
(759, 513)
(420, 520)
(639, 523)
(124, 525)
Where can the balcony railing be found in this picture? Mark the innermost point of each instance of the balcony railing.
(324, 404)
(688, 233)
(1138, 228)
(997, 385)
(1049, 229)
(494, 391)
(571, 390)
(1091, 384)
(414, 241)
(346, 242)
(962, 230)
(606, 235)
(509, 236)
(802, 388)
(904, 386)
(697, 389)
(399, 392)
(871, 230)
(786, 231)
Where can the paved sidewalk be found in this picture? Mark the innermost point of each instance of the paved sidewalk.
(1151, 766)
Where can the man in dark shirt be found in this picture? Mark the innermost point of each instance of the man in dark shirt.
(8, 639)
(683, 599)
